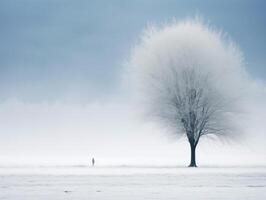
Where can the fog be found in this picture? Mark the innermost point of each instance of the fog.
(211, 51)
(114, 131)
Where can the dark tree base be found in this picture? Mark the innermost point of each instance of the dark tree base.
(193, 153)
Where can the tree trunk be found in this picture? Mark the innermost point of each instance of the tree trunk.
(193, 154)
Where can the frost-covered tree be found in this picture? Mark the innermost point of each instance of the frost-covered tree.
(190, 78)
(187, 101)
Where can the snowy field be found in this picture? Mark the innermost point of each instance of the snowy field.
(81, 182)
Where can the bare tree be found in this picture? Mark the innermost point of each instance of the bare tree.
(188, 100)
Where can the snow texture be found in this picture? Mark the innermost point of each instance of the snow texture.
(125, 183)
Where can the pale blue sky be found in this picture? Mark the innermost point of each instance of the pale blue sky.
(57, 50)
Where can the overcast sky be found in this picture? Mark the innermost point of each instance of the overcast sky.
(59, 50)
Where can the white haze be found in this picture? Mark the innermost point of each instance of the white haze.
(192, 43)
(113, 131)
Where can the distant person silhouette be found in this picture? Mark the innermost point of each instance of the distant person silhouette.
(92, 161)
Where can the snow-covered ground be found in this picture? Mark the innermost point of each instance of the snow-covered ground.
(129, 182)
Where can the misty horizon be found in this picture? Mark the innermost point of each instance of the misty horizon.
(65, 95)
